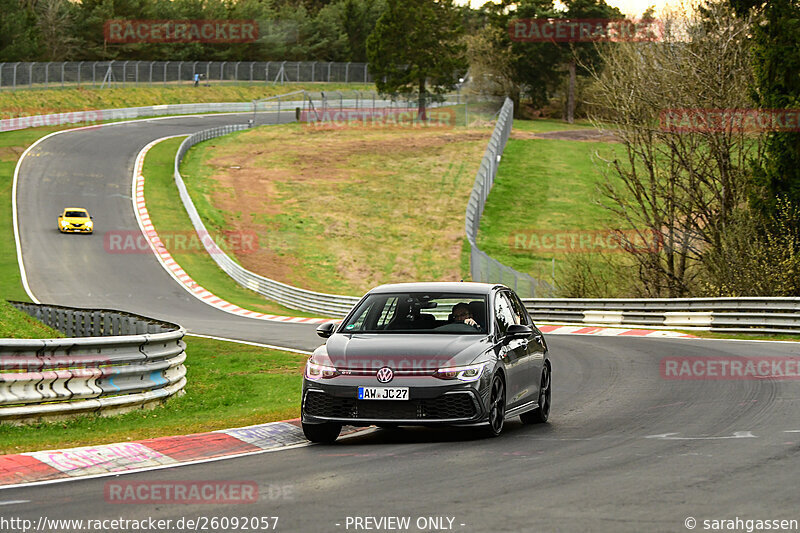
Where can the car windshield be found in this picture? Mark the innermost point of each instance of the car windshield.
(76, 214)
(420, 313)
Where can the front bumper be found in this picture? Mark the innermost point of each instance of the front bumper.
(70, 229)
(429, 403)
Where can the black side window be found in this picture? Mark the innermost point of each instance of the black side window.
(520, 311)
(504, 313)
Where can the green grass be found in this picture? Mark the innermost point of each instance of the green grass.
(551, 186)
(38, 102)
(543, 125)
(741, 336)
(228, 385)
(342, 210)
(15, 324)
(170, 219)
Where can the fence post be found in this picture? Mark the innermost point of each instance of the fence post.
(298, 71)
(1, 74)
(94, 75)
(266, 73)
(329, 70)
(251, 71)
(46, 73)
(124, 72)
(347, 72)
(366, 73)
(313, 70)
(221, 71)
(165, 73)
(151, 73)
(180, 71)
(30, 75)
(63, 64)
(236, 73)
(15, 76)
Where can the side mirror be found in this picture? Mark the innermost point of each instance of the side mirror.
(326, 330)
(518, 331)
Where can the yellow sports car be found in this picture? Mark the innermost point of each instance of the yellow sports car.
(75, 220)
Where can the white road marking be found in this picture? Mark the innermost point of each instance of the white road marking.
(13, 502)
(736, 435)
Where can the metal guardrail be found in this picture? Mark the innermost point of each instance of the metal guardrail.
(731, 315)
(293, 297)
(110, 362)
(121, 73)
(94, 117)
(484, 268)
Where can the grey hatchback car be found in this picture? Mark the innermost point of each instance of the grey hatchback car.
(449, 353)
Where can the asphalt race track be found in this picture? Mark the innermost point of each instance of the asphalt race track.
(93, 168)
(626, 450)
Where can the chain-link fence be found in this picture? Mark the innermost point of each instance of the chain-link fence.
(122, 73)
(367, 106)
(483, 267)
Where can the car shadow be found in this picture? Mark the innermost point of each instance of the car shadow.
(433, 435)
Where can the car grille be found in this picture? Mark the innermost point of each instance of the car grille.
(449, 406)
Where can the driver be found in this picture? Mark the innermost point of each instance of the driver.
(462, 314)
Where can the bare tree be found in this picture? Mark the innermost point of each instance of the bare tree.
(55, 20)
(677, 177)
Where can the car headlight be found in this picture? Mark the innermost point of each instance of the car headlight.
(90, 224)
(316, 372)
(64, 223)
(461, 373)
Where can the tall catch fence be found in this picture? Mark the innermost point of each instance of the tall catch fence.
(124, 73)
(484, 268)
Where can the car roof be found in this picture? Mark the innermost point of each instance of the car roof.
(467, 287)
(75, 209)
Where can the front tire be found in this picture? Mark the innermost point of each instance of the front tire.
(325, 433)
(541, 413)
(497, 406)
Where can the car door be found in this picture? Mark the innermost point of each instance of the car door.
(513, 352)
(535, 347)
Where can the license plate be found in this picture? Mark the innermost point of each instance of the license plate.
(383, 393)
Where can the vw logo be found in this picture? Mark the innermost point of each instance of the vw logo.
(385, 375)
